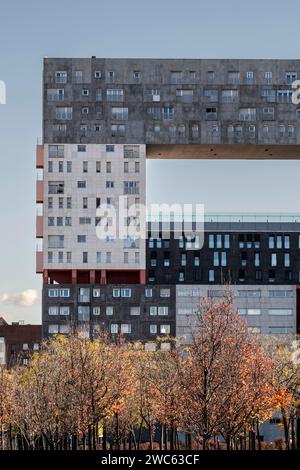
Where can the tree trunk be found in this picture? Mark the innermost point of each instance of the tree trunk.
(286, 430)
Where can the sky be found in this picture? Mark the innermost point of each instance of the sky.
(32, 29)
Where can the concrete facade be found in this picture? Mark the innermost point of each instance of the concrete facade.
(266, 309)
(138, 312)
(172, 101)
(79, 180)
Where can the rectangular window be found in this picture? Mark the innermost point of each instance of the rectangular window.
(281, 293)
(168, 113)
(280, 311)
(120, 114)
(249, 293)
(53, 293)
(247, 114)
(65, 310)
(83, 313)
(109, 310)
(115, 95)
(287, 260)
(81, 238)
(211, 241)
(153, 329)
(96, 310)
(165, 329)
(135, 310)
(148, 293)
(64, 292)
(253, 311)
(153, 310)
(53, 310)
(233, 77)
(61, 76)
(163, 310)
(230, 96)
(284, 96)
(63, 113)
(273, 259)
(114, 328)
(165, 292)
(125, 328)
(268, 78)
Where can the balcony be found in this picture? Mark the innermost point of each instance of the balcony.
(39, 191)
(39, 226)
(39, 262)
(39, 156)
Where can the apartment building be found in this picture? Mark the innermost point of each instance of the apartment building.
(17, 342)
(102, 118)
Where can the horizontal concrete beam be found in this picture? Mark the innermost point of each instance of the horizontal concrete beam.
(223, 151)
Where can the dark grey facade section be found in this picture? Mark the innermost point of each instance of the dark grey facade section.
(170, 101)
(232, 253)
(82, 302)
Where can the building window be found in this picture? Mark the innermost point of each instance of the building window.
(168, 113)
(249, 78)
(85, 257)
(211, 275)
(125, 328)
(290, 77)
(268, 78)
(210, 76)
(63, 113)
(120, 114)
(287, 260)
(216, 258)
(53, 293)
(165, 329)
(115, 95)
(247, 114)
(64, 292)
(211, 114)
(176, 76)
(81, 238)
(96, 310)
(280, 311)
(284, 96)
(111, 76)
(211, 241)
(233, 77)
(211, 95)
(55, 94)
(230, 96)
(135, 310)
(53, 310)
(61, 76)
(109, 310)
(136, 75)
(148, 293)
(153, 310)
(273, 259)
(153, 329)
(165, 292)
(84, 294)
(114, 328)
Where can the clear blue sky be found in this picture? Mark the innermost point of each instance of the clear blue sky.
(31, 29)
